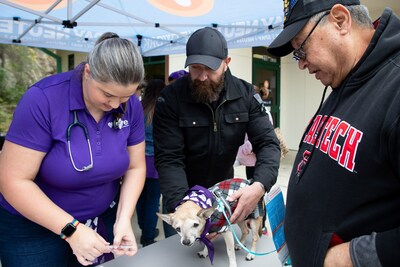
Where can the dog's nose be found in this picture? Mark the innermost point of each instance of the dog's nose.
(186, 242)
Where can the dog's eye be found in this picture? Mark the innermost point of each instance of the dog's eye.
(178, 229)
(195, 225)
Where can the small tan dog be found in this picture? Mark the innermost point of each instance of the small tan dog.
(195, 217)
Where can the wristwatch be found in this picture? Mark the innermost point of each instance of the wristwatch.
(69, 229)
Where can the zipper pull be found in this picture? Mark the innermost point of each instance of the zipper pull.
(215, 127)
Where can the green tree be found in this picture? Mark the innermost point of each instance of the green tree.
(20, 67)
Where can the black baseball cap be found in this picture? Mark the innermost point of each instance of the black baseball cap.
(206, 46)
(296, 15)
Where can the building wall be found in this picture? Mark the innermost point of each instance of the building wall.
(176, 62)
(241, 64)
(78, 57)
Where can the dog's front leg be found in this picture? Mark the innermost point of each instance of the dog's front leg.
(245, 232)
(230, 250)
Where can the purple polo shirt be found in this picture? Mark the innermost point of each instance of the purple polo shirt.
(40, 122)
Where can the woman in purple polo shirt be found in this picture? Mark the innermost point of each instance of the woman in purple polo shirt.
(73, 163)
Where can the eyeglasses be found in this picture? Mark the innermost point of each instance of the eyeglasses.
(299, 53)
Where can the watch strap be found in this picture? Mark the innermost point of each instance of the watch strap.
(73, 224)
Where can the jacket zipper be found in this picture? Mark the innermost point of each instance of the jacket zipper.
(215, 129)
(213, 114)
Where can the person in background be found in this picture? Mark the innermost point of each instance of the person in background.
(176, 75)
(246, 155)
(139, 90)
(149, 201)
(344, 189)
(264, 90)
(73, 163)
(264, 93)
(201, 120)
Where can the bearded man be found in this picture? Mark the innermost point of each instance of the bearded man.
(201, 120)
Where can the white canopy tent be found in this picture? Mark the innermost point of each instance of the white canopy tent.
(159, 27)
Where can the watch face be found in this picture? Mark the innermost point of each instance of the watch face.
(68, 230)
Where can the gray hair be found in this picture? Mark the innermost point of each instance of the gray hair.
(359, 14)
(116, 60)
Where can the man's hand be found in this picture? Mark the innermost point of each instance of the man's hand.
(338, 256)
(212, 236)
(247, 197)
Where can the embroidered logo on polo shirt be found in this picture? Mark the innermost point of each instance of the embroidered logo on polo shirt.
(118, 124)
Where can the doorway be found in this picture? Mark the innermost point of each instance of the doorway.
(154, 67)
(266, 67)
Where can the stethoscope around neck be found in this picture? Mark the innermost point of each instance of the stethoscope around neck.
(76, 122)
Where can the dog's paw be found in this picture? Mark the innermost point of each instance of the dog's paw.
(202, 254)
(250, 257)
(238, 247)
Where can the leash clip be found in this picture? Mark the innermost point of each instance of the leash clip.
(222, 203)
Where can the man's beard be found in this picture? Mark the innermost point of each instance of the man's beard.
(207, 91)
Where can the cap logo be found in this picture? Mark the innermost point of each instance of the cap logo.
(287, 7)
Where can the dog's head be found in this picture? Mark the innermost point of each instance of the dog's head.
(188, 220)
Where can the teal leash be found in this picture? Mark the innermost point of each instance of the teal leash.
(221, 208)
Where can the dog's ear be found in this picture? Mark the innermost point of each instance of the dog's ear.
(165, 217)
(206, 213)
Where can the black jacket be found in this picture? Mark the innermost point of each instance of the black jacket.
(348, 185)
(197, 145)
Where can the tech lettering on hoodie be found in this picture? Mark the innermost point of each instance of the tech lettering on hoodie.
(339, 140)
